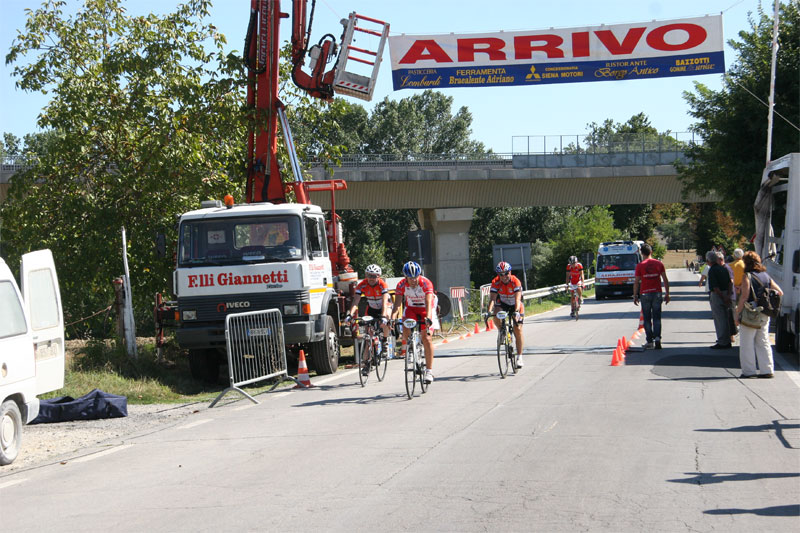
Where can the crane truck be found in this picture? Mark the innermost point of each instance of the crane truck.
(777, 241)
(267, 253)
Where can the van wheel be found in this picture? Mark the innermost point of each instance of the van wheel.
(204, 365)
(783, 339)
(325, 353)
(10, 432)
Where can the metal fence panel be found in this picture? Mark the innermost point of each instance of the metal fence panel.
(256, 349)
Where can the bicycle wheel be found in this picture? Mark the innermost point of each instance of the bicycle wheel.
(411, 370)
(382, 361)
(512, 360)
(502, 359)
(365, 360)
(421, 366)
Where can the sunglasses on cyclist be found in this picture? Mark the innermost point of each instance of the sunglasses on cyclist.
(504, 274)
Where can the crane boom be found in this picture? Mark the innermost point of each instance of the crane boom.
(262, 55)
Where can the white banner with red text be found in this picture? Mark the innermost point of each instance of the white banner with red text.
(681, 47)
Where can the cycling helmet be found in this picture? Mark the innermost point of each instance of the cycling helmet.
(573, 260)
(374, 269)
(502, 267)
(412, 269)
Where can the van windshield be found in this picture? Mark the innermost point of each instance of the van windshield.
(612, 262)
(240, 240)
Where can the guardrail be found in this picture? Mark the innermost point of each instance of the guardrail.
(551, 291)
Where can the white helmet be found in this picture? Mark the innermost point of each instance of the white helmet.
(374, 269)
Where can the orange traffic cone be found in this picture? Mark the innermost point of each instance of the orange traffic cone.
(491, 325)
(302, 373)
(636, 334)
(445, 341)
(624, 345)
(468, 335)
(476, 328)
(641, 320)
(629, 343)
(616, 360)
(461, 338)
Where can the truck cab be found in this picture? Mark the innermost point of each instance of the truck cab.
(31, 345)
(252, 257)
(616, 266)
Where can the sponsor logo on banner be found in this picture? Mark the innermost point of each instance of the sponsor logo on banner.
(682, 47)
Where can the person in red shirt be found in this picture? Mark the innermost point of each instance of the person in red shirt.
(379, 304)
(647, 289)
(416, 294)
(506, 293)
(575, 281)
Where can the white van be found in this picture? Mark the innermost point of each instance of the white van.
(31, 345)
(616, 268)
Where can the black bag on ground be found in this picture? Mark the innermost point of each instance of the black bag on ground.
(93, 406)
(769, 300)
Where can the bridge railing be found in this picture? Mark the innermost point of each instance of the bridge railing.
(421, 160)
(667, 142)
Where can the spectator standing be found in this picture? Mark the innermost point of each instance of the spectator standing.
(719, 287)
(738, 271)
(726, 262)
(754, 347)
(647, 287)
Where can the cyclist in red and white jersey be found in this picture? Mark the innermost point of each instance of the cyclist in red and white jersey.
(575, 279)
(416, 294)
(379, 301)
(506, 293)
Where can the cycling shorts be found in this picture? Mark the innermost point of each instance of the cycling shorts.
(417, 313)
(510, 309)
(574, 286)
(377, 314)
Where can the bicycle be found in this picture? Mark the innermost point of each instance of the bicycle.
(415, 365)
(369, 354)
(505, 348)
(574, 300)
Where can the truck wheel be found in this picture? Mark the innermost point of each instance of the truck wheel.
(783, 339)
(204, 365)
(325, 353)
(10, 432)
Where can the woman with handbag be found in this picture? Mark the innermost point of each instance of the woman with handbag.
(754, 331)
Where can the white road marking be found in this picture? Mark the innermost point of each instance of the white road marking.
(93, 456)
(195, 423)
(12, 483)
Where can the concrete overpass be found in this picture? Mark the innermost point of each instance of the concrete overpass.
(446, 189)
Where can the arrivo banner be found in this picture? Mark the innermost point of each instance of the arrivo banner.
(681, 47)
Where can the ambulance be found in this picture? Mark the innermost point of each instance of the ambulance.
(616, 266)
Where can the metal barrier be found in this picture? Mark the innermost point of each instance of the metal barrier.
(550, 291)
(256, 350)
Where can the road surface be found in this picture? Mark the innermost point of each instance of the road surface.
(672, 441)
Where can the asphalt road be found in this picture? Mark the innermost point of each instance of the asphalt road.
(672, 441)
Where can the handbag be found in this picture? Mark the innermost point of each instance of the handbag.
(752, 317)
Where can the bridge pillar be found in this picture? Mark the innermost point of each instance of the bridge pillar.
(450, 246)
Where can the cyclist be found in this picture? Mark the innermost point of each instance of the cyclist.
(506, 293)
(575, 281)
(379, 304)
(416, 294)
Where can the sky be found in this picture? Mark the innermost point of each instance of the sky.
(503, 117)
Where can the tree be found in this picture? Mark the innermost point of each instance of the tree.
(511, 225)
(420, 124)
(148, 123)
(580, 234)
(733, 123)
